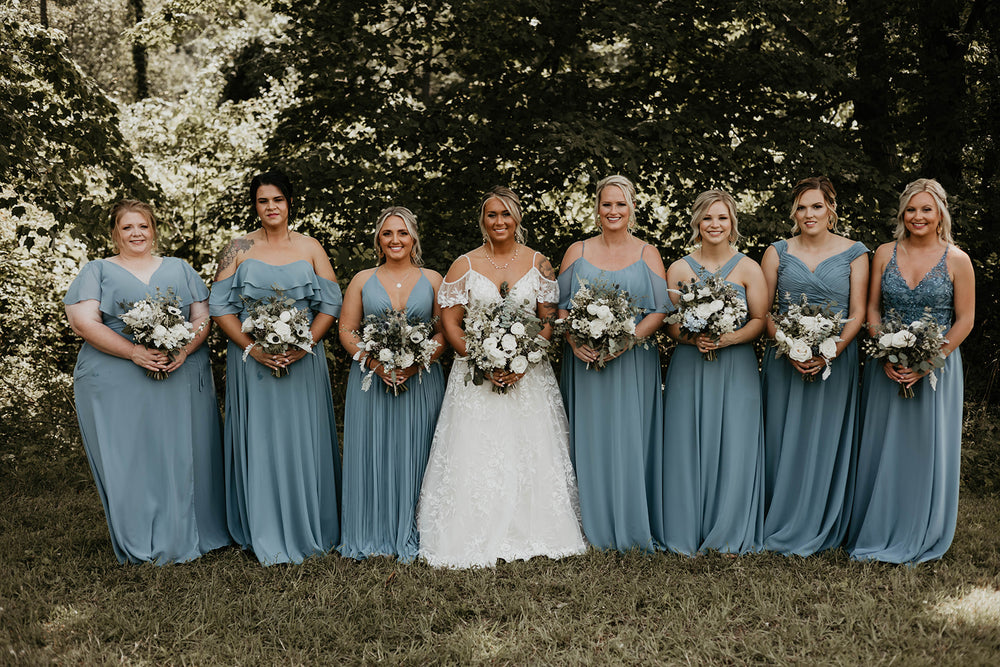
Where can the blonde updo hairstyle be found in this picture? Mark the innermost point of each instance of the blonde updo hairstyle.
(704, 202)
(935, 190)
(627, 188)
(410, 220)
(825, 186)
(131, 206)
(511, 202)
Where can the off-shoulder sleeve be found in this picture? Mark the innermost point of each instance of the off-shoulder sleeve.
(195, 285)
(454, 293)
(328, 298)
(548, 290)
(86, 285)
(224, 299)
(566, 286)
(661, 298)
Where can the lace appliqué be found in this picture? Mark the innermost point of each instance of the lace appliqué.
(934, 291)
(453, 293)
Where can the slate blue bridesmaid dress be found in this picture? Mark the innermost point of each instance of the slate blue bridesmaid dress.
(616, 421)
(906, 492)
(713, 457)
(387, 440)
(281, 451)
(810, 428)
(154, 446)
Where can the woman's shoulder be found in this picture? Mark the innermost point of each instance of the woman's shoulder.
(958, 258)
(432, 276)
(884, 251)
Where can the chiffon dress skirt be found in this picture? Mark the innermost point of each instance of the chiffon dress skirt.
(616, 422)
(810, 428)
(154, 446)
(713, 457)
(906, 493)
(499, 482)
(387, 440)
(281, 451)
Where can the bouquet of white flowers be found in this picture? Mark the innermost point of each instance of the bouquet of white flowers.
(158, 323)
(602, 317)
(805, 331)
(501, 336)
(396, 342)
(710, 306)
(916, 346)
(276, 325)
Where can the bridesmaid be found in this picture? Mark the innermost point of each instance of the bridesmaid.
(906, 495)
(714, 454)
(810, 427)
(282, 463)
(153, 445)
(387, 438)
(615, 414)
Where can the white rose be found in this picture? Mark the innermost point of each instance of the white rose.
(592, 308)
(385, 355)
(704, 293)
(885, 340)
(630, 326)
(716, 306)
(519, 364)
(517, 329)
(903, 339)
(799, 351)
(828, 348)
(285, 316)
(283, 330)
(535, 356)
(780, 336)
(508, 342)
(247, 325)
(597, 328)
(703, 311)
(407, 360)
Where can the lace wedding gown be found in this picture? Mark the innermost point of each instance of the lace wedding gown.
(499, 482)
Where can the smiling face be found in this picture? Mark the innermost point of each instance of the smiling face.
(134, 235)
(716, 224)
(613, 209)
(921, 216)
(812, 213)
(498, 221)
(394, 239)
(272, 206)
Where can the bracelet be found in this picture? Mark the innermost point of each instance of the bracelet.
(246, 350)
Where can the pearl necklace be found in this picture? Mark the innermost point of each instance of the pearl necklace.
(494, 264)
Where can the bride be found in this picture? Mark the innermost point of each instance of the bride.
(499, 482)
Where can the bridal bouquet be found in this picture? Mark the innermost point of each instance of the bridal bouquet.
(501, 336)
(158, 323)
(276, 325)
(806, 331)
(396, 342)
(916, 345)
(711, 306)
(602, 317)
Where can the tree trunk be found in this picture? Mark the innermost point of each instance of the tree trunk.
(43, 9)
(873, 92)
(139, 56)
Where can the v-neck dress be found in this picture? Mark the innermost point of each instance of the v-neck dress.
(906, 493)
(281, 451)
(810, 428)
(154, 446)
(387, 440)
(616, 421)
(713, 455)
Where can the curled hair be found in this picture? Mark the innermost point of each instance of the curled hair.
(278, 179)
(935, 190)
(823, 184)
(511, 202)
(131, 206)
(410, 220)
(700, 208)
(628, 190)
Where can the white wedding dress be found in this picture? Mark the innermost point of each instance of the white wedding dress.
(499, 482)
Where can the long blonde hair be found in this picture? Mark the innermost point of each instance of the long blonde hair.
(513, 204)
(935, 190)
(701, 206)
(410, 220)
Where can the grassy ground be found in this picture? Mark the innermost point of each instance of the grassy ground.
(64, 599)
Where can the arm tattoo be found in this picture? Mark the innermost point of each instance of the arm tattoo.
(545, 268)
(229, 253)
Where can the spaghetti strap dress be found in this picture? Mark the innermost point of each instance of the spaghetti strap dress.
(281, 451)
(906, 492)
(713, 457)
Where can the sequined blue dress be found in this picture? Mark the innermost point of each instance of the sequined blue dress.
(906, 493)
(154, 446)
(387, 440)
(713, 455)
(616, 420)
(282, 457)
(810, 428)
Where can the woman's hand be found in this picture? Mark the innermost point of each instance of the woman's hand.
(278, 360)
(903, 375)
(178, 359)
(402, 375)
(504, 379)
(810, 366)
(706, 343)
(148, 358)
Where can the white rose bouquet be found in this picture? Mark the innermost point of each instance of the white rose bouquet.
(397, 343)
(916, 345)
(158, 323)
(602, 317)
(805, 331)
(710, 306)
(502, 336)
(276, 325)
